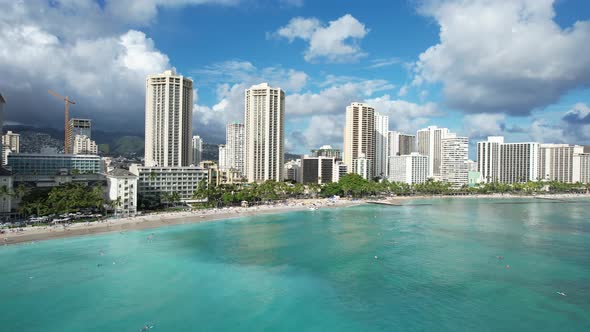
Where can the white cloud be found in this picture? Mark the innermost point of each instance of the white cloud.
(144, 11)
(403, 115)
(380, 63)
(333, 99)
(238, 71)
(336, 42)
(482, 125)
(504, 56)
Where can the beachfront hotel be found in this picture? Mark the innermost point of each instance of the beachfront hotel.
(410, 169)
(154, 182)
(429, 141)
(122, 189)
(454, 167)
(359, 137)
(317, 169)
(168, 120)
(556, 162)
(519, 162)
(264, 133)
(381, 145)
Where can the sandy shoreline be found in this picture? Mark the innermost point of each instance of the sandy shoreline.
(40, 233)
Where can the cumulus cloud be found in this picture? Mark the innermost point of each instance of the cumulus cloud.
(82, 49)
(403, 115)
(144, 11)
(335, 42)
(483, 125)
(503, 56)
(239, 71)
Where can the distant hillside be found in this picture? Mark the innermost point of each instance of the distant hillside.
(110, 143)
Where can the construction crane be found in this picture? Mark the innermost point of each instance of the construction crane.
(67, 103)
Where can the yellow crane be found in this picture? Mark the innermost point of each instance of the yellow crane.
(67, 103)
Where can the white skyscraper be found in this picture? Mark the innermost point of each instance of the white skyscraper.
(430, 144)
(381, 144)
(264, 133)
(488, 158)
(2, 102)
(363, 167)
(359, 134)
(197, 150)
(222, 163)
(410, 169)
(455, 158)
(234, 145)
(168, 120)
(581, 168)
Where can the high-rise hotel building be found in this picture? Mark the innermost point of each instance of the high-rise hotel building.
(454, 166)
(359, 136)
(381, 145)
(168, 120)
(77, 127)
(430, 144)
(264, 133)
(556, 162)
(519, 162)
(234, 146)
(488, 158)
(401, 144)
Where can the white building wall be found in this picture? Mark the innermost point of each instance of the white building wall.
(197, 150)
(222, 162)
(581, 168)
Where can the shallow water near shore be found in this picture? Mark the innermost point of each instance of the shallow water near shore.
(428, 266)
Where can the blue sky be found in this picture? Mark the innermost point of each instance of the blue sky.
(517, 68)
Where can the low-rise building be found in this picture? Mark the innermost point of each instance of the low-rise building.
(410, 169)
(154, 182)
(122, 191)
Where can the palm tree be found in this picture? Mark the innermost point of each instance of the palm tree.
(5, 193)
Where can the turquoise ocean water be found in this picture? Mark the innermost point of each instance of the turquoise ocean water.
(437, 270)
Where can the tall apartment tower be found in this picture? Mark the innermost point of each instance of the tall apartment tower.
(488, 158)
(264, 133)
(454, 167)
(381, 145)
(401, 144)
(168, 120)
(556, 161)
(197, 150)
(81, 127)
(430, 144)
(359, 134)
(234, 145)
